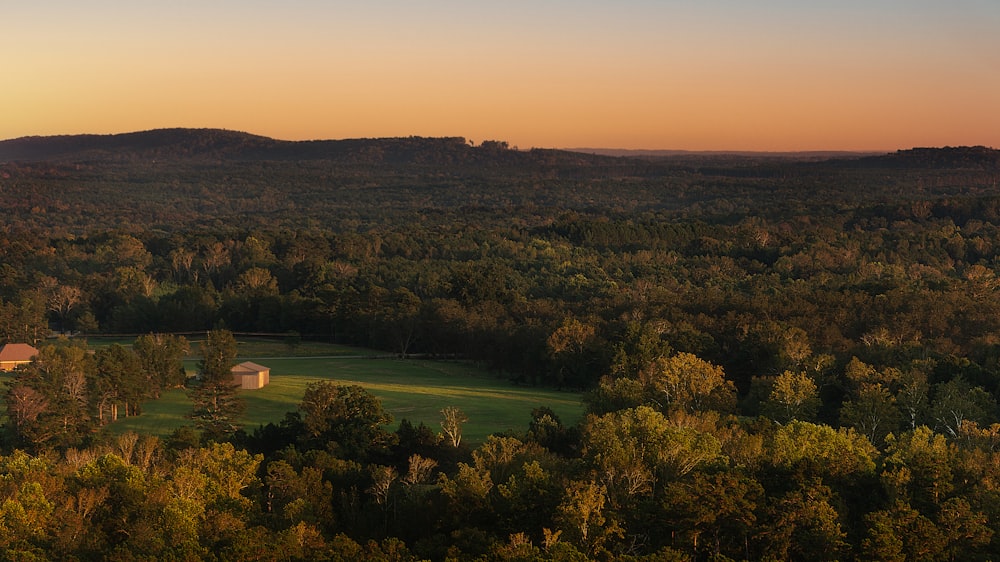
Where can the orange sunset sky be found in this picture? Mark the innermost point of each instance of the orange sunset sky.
(667, 74)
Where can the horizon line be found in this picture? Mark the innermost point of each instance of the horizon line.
(600, 150)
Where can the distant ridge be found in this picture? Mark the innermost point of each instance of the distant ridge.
(800, 155)
(948, 157)
(221, 144)
(171, 141)
(208, 145)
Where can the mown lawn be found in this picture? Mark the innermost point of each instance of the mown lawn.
(413, 389)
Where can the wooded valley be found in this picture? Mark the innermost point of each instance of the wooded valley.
(783, 357)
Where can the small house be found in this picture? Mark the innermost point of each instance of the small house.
(251, 376)
(14, 354)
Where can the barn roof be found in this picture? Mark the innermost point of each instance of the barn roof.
(17, 352)
(249, 367)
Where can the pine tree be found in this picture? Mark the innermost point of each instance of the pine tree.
(216, 401)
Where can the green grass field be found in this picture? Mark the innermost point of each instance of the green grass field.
(413, 389)
(251, 346)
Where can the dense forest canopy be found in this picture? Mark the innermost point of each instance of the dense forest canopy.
(783, 357)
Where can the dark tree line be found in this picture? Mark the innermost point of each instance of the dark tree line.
(66, 393)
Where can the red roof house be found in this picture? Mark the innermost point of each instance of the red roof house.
(14, 354)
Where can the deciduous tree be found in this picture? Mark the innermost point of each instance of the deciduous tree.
(161, 356)
(117, 380)
(689, 383)
(957, 401)
(581, 516)
(451, 423)
(345, 419)
(793, 397)
(873, 412)
(804, 525)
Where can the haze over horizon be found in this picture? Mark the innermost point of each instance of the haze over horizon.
(720, 75)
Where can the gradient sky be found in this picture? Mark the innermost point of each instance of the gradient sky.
(666, 74)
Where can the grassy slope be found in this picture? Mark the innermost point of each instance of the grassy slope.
(413, 389)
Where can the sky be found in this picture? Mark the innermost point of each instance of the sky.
(769, 75)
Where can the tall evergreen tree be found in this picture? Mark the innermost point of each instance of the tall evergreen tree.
(216, 401)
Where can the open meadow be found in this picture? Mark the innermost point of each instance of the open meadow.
(414, 389)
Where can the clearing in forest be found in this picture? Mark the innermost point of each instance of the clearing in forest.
(413, 389)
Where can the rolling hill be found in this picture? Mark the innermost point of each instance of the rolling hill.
(225, 145)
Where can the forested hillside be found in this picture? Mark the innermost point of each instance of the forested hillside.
(784, 358)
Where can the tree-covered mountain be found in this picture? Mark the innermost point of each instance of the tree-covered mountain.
(961, 157)
(225, 145)
(174, 178)
(167, 143)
